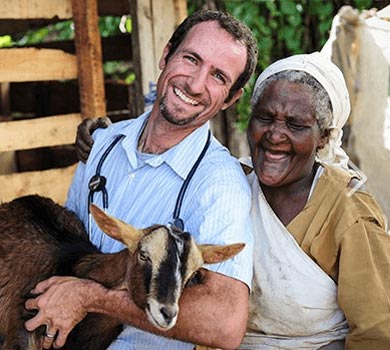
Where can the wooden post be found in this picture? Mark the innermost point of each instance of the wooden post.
(89, 58)
(153, 24)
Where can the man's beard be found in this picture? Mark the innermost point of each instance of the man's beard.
(170, 116)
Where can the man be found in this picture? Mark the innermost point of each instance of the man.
(205, 65)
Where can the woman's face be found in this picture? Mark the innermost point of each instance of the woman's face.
(283, 134)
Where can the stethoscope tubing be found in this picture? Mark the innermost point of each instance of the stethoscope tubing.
(97, 183)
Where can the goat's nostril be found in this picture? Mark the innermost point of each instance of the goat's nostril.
(168, 313)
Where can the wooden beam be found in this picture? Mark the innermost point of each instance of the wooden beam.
(153, 24)
(62, 9)
(18, 9)
(143, 43)
(36, 65)
(181, 11)
(39, 132)
(53, 183)
(89, 58)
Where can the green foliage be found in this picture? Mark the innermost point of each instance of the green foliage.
(54, 32)
(6, 41)
(109, 26)
(119, 70)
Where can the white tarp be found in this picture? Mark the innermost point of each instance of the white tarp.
(360, 45)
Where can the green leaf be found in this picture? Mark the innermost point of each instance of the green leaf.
(288, 7)
(6, 41)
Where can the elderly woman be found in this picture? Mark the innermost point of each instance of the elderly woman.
(322, 256)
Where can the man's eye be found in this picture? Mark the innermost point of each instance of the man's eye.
(220, 77)
(191, 59)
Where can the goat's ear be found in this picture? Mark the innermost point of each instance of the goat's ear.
(213, 254)
(115, 228)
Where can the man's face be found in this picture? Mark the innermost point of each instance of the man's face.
(196, 80)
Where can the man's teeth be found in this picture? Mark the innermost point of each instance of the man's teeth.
(185, 98)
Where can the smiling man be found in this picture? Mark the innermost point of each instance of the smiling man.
(145, 162)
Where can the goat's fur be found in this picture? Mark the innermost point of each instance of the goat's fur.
(39, 239)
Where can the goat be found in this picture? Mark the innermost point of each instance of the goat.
(39, 239)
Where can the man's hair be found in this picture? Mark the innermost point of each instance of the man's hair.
(234, 27)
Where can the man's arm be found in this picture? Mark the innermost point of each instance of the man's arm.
(213, 313)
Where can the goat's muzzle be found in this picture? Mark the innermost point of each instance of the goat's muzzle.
(162, 316)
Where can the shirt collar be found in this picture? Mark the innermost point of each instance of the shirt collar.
(180, 158)
(183, 156)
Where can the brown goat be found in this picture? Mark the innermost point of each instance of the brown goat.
(39, 239)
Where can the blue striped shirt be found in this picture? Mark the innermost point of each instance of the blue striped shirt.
(143, 190)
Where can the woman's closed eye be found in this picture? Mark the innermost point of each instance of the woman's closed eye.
(264, 119)
(297, 127)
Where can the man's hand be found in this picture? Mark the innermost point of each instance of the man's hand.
(84, 140)
(61, 304)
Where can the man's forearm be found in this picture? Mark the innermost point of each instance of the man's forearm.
(213, 313)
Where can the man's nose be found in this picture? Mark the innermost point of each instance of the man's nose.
(197, 82)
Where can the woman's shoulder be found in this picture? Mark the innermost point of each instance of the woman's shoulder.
(351, 196)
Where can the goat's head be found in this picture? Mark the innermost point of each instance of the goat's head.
(163, 260)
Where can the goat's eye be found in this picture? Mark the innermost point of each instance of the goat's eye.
(196, 278)
(143, 256)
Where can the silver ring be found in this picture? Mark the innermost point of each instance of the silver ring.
(47, 335)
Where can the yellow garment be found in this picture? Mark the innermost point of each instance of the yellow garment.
(346, 236)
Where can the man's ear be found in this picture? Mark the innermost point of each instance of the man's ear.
(234, 98)
(163, 57)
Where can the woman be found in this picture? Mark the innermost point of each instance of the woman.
(322, 256)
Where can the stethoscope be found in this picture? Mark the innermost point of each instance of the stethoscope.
(97, 183)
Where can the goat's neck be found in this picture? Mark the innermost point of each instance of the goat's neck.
(107, 269)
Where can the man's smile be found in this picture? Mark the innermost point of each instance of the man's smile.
(184, 97)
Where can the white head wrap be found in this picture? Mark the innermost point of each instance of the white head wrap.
(332, 80)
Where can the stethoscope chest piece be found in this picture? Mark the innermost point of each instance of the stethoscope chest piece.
(97, 183)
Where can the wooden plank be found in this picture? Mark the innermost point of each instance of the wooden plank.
(5, 98)
(181, 11)
(53, 183)
(36, 64)
(18, 9)
(40, 9)
(146, 66)
(164, 20)
(39, 132)
(89, 58)
(7, 163)
(153, 24)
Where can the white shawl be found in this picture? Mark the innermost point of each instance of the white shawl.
(293, 302)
